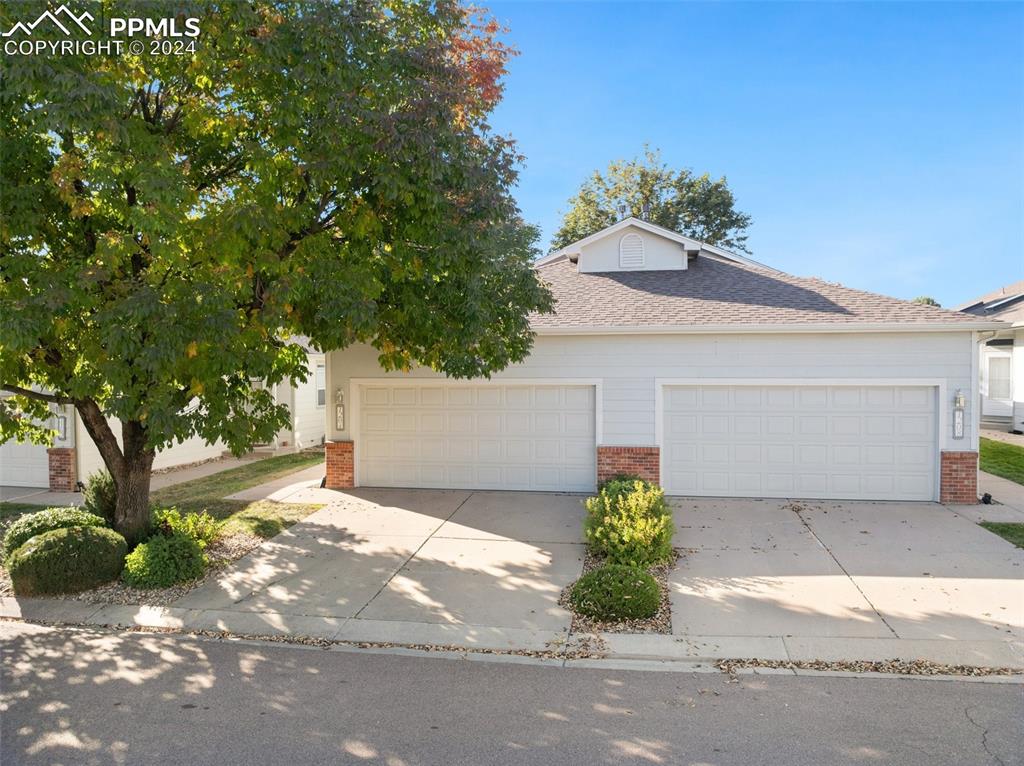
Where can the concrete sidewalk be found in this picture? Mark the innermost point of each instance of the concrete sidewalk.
(44, 497)
(1008, 497)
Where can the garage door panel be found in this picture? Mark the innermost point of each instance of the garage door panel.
(24, 465)
(857, 442)
(489, 437)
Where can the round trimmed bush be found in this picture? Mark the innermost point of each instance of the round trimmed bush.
(616, 592)
(67, 560)
(30, 525)
(100, 496)
(164, 560)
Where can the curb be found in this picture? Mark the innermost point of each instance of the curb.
(520, 657)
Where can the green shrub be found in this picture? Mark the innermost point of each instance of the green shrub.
(100, 496)
(622, 482)
(164, 560)
(67, 560)
(630, 524)
(616, 592)
(30, 525)
(201, 527)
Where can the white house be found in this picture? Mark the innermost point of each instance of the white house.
(692, 366)
(73, 456)
(1002, 358)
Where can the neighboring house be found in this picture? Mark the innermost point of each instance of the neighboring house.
(1002, 358)
(74, 456)
(689, 365)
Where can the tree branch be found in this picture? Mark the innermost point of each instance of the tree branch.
(30, 394)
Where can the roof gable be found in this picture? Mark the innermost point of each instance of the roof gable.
(617, 230)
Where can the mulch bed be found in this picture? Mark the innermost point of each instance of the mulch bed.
(661, 622)
(221, 553)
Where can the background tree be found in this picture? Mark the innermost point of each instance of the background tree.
(696, 206)
(171, 223)
(926, 300)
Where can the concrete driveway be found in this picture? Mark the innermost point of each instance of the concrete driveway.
(410, 565)
(849, 570)
(767, 578)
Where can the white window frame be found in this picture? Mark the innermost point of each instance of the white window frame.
(320, 384)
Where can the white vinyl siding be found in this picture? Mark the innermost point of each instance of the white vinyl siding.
(628, 365)
(520, 437)
(835, 441)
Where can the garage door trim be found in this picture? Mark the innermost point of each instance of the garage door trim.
(355, 384)
(939, 384)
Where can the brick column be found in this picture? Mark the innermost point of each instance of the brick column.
(63, 469)
(340, 465)
(958, 483)
(638, 461)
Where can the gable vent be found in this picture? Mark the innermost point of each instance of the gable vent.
(631, 251)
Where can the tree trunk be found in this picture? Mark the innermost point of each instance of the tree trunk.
(132, 513)
(130, 465)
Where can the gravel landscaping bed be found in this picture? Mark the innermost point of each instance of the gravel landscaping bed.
(896, 666)
(661, 622)
(221, 553)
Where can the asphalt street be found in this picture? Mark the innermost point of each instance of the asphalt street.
(91, 697)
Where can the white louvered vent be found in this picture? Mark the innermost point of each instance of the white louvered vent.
(631, 252)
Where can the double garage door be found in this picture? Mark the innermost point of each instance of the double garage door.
(528, 437)
(842, 442)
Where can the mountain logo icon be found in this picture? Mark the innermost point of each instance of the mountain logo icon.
(62, 18)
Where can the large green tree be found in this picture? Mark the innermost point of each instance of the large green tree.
(172, 223)
(646, 187)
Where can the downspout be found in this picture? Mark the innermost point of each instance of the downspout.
(979, 338)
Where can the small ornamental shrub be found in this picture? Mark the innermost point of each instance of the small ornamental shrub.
(30, 525)
(623, 482)
(164, 560)
(67, 560)
(616, 592)
(630, 524)
(201, 527)
(100, 496)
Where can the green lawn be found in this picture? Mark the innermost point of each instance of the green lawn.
(264, 518)
(1012, 532)
(1002, 459)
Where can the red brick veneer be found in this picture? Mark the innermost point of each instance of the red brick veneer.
(958, 483)
(640, 461)
(63, 469)
(340, 465)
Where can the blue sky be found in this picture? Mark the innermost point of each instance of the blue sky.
(876, 145)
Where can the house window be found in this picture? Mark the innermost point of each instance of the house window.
(631, 251)
(999, 377)
(321, 385)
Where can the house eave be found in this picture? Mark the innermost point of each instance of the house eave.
(849, 327)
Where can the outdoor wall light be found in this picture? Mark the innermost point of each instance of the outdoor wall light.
(339, 409)
(959, 404)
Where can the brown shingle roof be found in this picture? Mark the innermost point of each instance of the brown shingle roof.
(714, 292)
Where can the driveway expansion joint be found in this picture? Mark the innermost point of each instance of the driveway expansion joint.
(412, 555)
(845, 572)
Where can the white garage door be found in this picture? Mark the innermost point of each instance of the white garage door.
(24, 465)
(477, 437)
(842, 442)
